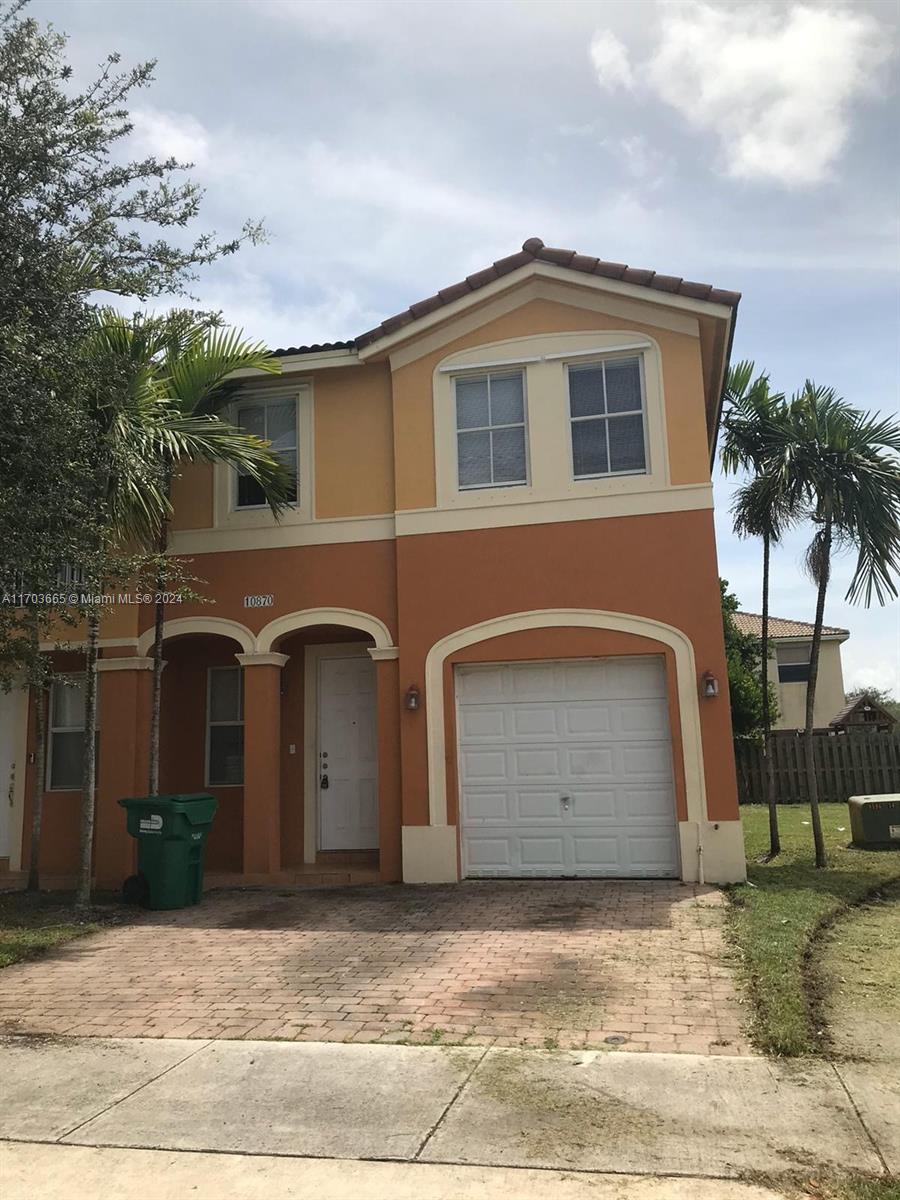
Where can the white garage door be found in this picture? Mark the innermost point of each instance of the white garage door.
(566, 769)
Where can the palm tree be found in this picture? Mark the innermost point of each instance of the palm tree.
(759, 509)
(189, 360)
(841, 465)
(145, 435)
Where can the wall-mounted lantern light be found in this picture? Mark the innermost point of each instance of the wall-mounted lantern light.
(411, 700)
(710, 684)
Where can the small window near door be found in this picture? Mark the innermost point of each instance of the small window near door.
(606, 408)
(225, 742)
(275, 421)
(793, 663)
(490, 430)
(65, 746)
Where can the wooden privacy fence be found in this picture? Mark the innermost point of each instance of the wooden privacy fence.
(847, 764)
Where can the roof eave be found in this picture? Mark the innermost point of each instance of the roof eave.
(723, 384)
(446, 312)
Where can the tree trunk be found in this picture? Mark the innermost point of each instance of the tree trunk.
(156, 700)
(774, 839)
(89, 761)
(39, 693)
(812, 783)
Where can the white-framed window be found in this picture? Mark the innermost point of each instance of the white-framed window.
(65, 741)
(607, 418)
(491, 441)
(275, 421)
(225, 727)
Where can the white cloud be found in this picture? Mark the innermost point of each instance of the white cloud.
(169, 135)
(610, 59)
(775, 86)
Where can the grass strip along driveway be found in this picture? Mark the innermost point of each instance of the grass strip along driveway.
(32, 924)
(778, 914)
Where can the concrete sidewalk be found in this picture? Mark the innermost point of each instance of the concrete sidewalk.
(38, 1171)
(575, 1111)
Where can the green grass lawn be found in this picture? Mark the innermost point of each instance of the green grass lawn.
(776, 916)
(32, 924)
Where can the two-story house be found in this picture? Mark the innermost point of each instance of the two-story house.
(790, 645)
(485, 641)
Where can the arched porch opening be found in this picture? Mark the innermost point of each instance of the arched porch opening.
(202, 735)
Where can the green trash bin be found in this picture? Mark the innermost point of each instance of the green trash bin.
(171, 834)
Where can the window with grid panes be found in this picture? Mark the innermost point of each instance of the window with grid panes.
(490, 430)
(274, 421)
(225, 744)
(606, 409)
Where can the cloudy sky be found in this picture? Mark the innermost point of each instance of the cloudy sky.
(394, 147)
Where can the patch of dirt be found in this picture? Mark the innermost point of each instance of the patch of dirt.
(571, 1117)
(859, 973)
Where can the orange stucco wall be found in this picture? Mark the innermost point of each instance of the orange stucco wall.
(354, 456)
(661, 566)
(192, 497)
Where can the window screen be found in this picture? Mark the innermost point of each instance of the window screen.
(607, 417)
(490, 430)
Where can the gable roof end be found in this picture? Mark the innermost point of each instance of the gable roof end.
(840, 718)
(534, 250)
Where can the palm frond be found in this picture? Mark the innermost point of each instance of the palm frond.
(194, 376)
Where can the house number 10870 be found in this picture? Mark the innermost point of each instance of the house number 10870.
(263, 601)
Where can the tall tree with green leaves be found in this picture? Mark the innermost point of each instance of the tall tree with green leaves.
(842, 466)
(77, 216)
(753, 415)
(750, 693)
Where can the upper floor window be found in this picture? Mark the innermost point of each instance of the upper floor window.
(606, 409)
(274, 421)
(793, 663)
(490, 430)
(65, 745)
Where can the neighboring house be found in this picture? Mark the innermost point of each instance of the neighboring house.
(864, 712)
(791, 644)
(486, 640)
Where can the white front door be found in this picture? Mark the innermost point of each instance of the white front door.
(566, 769)
(347, 777)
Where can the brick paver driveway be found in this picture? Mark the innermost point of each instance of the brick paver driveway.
(513, 963)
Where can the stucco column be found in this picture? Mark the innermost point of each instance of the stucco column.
(122, 763)
(262, 762)
(390, 817)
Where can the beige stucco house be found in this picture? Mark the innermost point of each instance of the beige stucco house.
(791, 642)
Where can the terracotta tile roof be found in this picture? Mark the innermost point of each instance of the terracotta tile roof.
(532, 250)
(535, 250)
(781, 627)
(318, 348)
